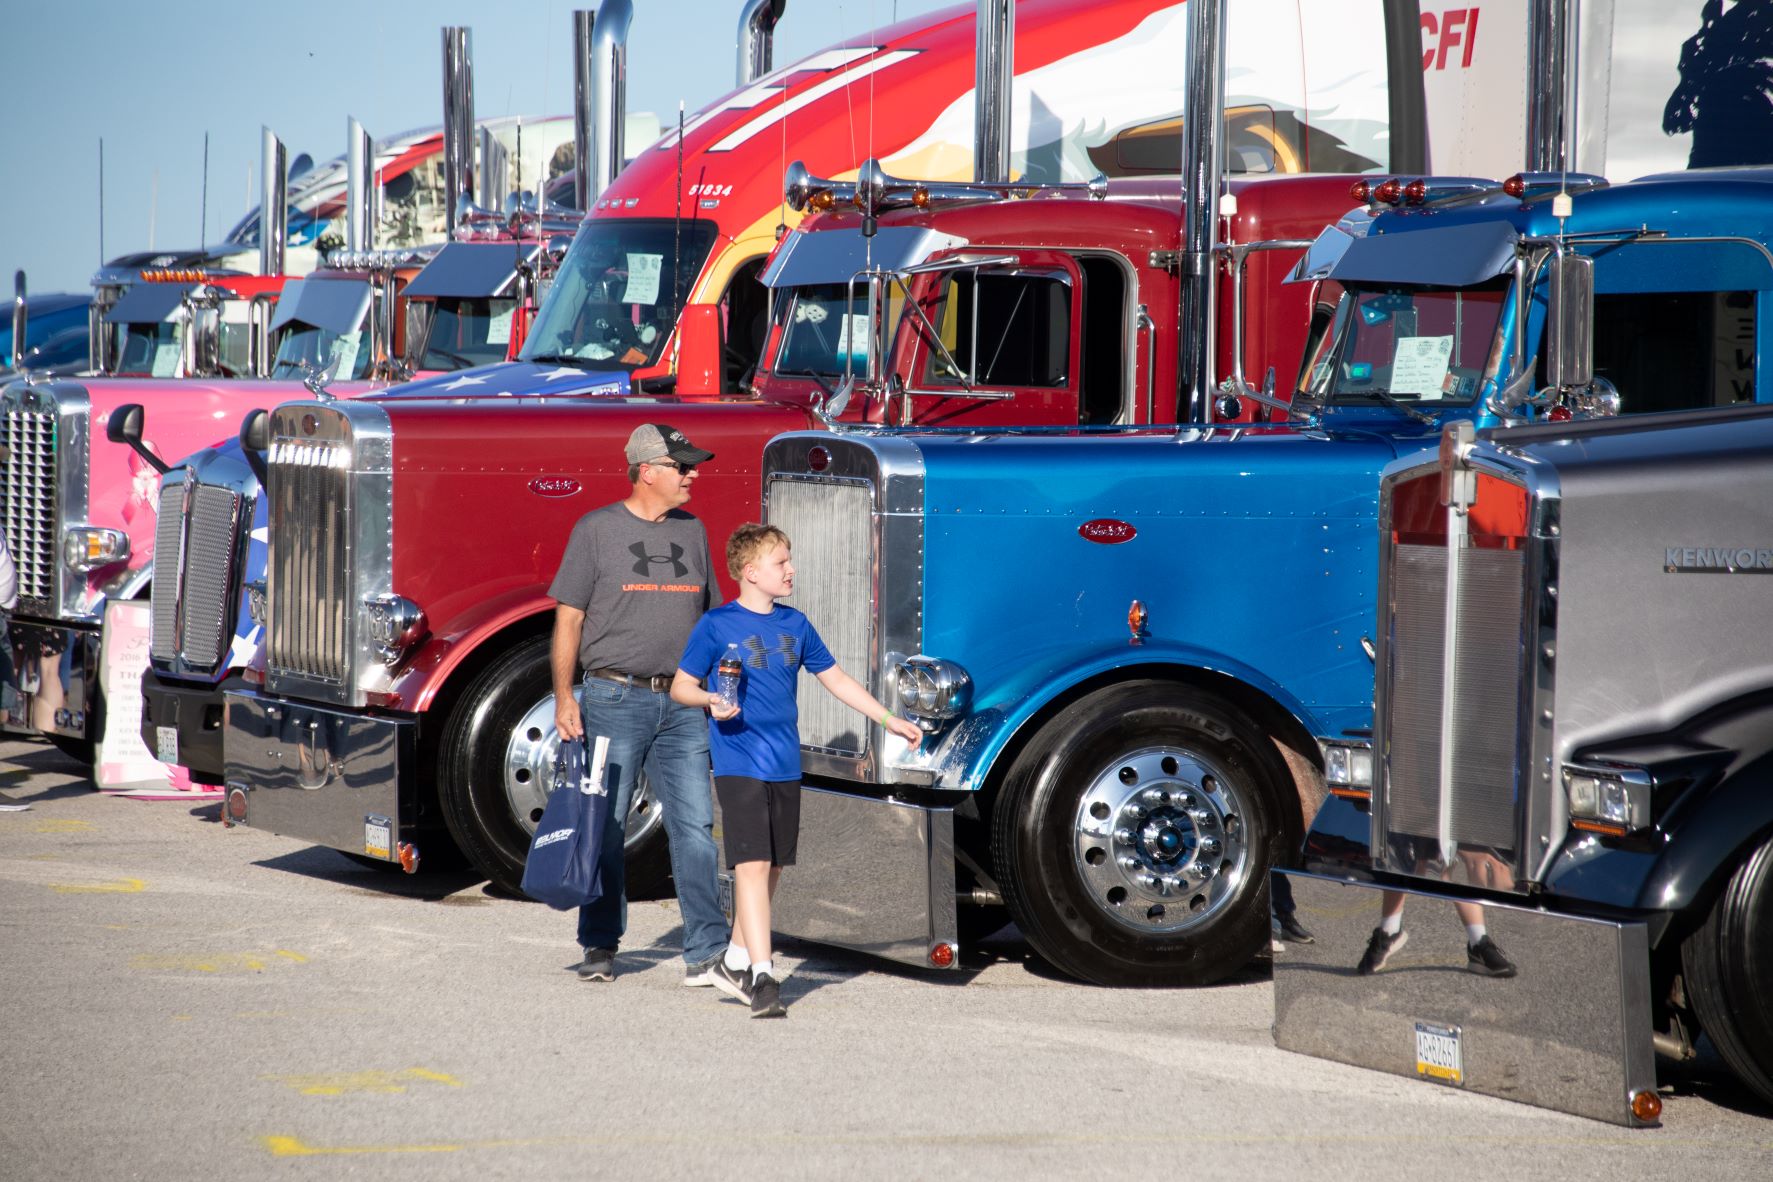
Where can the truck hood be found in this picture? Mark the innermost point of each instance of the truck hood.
(515, 379)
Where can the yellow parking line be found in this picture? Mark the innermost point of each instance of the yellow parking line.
(378, 1082)
(123, 886)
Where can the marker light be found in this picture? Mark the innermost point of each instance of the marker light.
(818, 459)
(87, 548)
(1360, 191)
(409, 857)
(1389, 191)
(1646, 1105)
(1560, 414)
(1416, 192)
(1136, 618)
(920, 197)
(821, 200)
(1515, 186)
(942, 955)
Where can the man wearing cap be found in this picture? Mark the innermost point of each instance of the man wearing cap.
(635, 578)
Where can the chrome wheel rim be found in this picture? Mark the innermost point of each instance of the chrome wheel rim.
(1160, 841)
(529, 769)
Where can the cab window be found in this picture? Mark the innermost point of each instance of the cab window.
(1001, 330)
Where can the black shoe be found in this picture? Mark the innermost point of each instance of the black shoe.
(599, 965)
(1292, 931)
(735, 984)
(766, 998)
(1486, 959)
(1379, 950)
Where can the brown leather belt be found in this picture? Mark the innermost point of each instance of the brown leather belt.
(659, 684)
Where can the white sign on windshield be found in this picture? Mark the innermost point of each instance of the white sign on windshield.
(852, 337)
(643, 278)
(1420, 366)
(498, 329)
(166, 359)
(344, 351)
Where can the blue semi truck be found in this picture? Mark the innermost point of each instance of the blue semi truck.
(1124, 643)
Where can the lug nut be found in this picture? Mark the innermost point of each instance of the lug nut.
(1153, 797)
(1134, 810)
(1210, 847)
(1128, 863)
(1147, 880)
(1123, 836)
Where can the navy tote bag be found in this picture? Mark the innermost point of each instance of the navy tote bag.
(562, 866)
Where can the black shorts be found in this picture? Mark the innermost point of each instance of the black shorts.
(760, 819)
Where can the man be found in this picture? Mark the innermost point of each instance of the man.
(635, 578)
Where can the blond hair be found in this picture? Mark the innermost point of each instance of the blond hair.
(749, 543)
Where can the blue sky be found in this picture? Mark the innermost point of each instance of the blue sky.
(152, 78)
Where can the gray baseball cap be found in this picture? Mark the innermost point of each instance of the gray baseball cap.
(657, 441)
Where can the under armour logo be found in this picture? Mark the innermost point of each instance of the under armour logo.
(759, 658)
(644, 566)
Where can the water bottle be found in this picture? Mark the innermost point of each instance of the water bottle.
(727, 676)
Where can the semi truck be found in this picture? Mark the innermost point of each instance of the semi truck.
(436, 733)
(1570, 753)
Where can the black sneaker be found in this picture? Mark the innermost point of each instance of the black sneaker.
(1379, 950)
(735, 983)
(1487, 960)
(1292, 931)
(599, 965)
(701, 973)
(766, 998)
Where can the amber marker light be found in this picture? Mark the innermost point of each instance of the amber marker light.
(821, 200)
(920, 197)
(409, 857)
(1646, 1105)
(942, 955)
(1136, 617)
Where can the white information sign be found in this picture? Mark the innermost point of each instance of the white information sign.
(852, 336)
(498, 329)
(344, 351)
(1420, 365)
(166, 360)
(643, 278)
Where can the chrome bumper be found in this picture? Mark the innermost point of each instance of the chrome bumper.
(193, 713)
(324, 776)
(51, 677)
(871, 875)
(1570, 1031)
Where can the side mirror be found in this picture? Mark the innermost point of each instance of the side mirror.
(1569, 321)
(125, 427)
(698, 349)
(255, 441)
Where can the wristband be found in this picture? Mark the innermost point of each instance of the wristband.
(886, 714)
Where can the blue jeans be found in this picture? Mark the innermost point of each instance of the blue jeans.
(648, 730)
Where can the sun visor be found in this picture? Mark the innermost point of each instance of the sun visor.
(148, 303)
(835, 256)
(472, 270)
(333, 305)
(1444, 256)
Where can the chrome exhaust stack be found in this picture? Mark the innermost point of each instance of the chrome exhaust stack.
(360, 219)
(494, 174)
(757, 38)
(273, 203)
(600, 95)
(458, 123)
(1203, 106)
(1552, 67)
(19, 320)
(994, 68)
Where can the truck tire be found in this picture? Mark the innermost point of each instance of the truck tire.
(1729, 966)
(494, 767)
(1135, 834)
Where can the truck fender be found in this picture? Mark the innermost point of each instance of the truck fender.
(1712, 838)
(445, 651)
(129, 584)
(970, 754)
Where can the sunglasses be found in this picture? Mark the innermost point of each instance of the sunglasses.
(686, 469)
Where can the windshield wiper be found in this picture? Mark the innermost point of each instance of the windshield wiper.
(1391, 400)
(562, 359)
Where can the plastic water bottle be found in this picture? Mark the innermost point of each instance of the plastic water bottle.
(727, 676)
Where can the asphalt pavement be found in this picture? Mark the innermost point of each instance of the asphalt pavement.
(179, 1001)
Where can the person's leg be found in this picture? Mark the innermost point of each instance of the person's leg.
(753, 884)
(678, 771)
(612, 710)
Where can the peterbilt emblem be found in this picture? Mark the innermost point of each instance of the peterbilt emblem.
(1107, 531)
(554, 486)
(1718, 560)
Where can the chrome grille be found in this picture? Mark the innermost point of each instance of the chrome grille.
(832, 528)
(309, 579)
(169, 566)
(206, 595)
(1487, 669)
(28, 508)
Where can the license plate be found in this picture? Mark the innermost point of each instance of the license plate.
(725, 882)
(378, 837)
(166, 744)
(1440, 1053)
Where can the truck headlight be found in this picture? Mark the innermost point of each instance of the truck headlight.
(931, 690)
(395, 625)
(88, 547)
(1348, 767)
(1611, 800)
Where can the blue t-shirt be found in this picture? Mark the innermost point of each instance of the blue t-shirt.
(763, 739)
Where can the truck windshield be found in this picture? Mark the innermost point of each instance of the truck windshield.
(616, 297)
(149, 349)
(465, 332)
(1420, 346)
(302, 348)
(824, 331)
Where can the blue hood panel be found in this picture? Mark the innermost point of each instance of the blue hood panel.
(516, 379)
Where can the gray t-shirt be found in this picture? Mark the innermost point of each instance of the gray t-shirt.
(641, 584)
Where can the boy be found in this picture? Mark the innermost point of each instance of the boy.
(756, 744)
